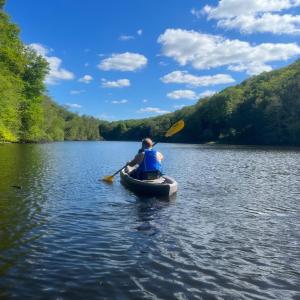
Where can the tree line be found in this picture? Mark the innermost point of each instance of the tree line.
(262, 110)
(27, 114)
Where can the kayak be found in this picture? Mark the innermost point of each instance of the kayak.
(163, 186)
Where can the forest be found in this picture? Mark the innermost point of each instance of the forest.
(27, 114)
(262, 110)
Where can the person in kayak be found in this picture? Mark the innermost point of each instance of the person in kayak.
(149, 161)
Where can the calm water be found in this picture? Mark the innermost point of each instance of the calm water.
(231, 232)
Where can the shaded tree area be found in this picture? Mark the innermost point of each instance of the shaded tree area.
(263, 110)
(26, 113)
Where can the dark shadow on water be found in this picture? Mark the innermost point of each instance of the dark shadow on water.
(145, 198)
(149, 210)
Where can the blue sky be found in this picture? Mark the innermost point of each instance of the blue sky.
(133, 59)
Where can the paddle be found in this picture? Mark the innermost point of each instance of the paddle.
(171, 131)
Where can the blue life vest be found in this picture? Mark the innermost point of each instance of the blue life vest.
(150, 162)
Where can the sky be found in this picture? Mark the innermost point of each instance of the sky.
(129, 59)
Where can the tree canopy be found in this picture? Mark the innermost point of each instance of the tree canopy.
(26, 113)
(263, 110)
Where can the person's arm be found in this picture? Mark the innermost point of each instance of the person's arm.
(159, 156)
(137, 160)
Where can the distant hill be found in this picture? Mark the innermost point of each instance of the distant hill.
(262, 110)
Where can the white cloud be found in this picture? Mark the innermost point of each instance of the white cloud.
(233, 8)
(207, 93)
(145, 100)
(251, 68)
(273, 23)
(76, 92)
(123, 62)
(179, 106)
(163, 63)
(115, 84)
(197, 13)
(126, 37)
(254, 16)
(123, 101)
(140, 32)
(206, 51)
(73, 105)
(40, 49)
(86, 79)
(182, 94)
(155, 110)
(56, 72)
(192, 80)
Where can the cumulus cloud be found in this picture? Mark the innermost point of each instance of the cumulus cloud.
(254, 16)
(139, 32)
(86, 79)
(56, 72)
(207, 93)
(179, 106)
(182, 94)
(232, 8)
(197, 13)
(73, 105)
(126, 37)
(273, 23)
(192, 80)
(123, 101)
(206, 51)
(76, 92)
(115, 84)
(123, 62)
(155, 110)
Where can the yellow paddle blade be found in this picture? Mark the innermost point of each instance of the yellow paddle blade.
(175, 128)
(108, 179)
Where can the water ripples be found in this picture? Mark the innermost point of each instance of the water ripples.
(231, 232)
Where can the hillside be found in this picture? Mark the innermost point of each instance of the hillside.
(263, 110)
(27, 114)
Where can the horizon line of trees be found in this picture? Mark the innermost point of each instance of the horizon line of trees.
(262, 110)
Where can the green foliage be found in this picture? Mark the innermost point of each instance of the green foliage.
(264, 109)
(2, 3)
(26, 114)
(82, 128)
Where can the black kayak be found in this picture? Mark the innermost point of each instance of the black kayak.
(163, 186)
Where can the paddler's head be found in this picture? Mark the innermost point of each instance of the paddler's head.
(147, 143)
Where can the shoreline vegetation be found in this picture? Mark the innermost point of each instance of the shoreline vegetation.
(262, 110)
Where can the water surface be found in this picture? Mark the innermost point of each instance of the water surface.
(231, 232)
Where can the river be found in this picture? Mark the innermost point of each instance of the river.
(232, 231)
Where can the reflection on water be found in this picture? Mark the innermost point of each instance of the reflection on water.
(232, 230)
(21, 201)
